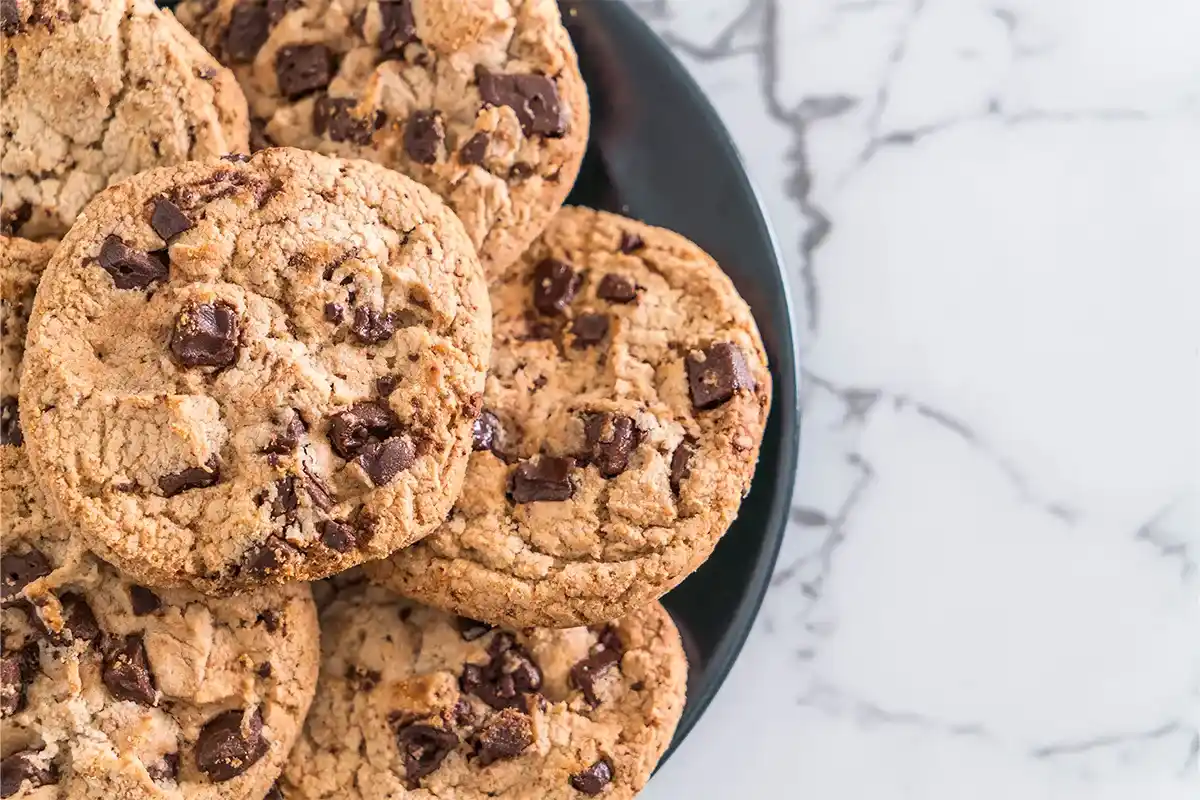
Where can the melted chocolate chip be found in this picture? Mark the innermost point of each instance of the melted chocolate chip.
(229, 744)
(337, 536)
(616, 289)
(361, 424)
(206, 335)
(505, 735)
(472, 629)
(270, 619)
(22, 768)
(486, 431)
(264, 670)
(10, 422)
(127, 672)
(191, 478)
(19, 570)
(270, 558)
(423, 136)
(132, 269)
(397, 28)
(303, 68)
(336, 116)
(383, 461)
(143, 601)
(10, 23)
(317, 491)
(716, 374)
(589, 329)
(286, 500)
(278, 9)
(168, 219)
(604, 654)
(335, 313)
(475, 150)
(592, 780)
(554, 286)
(274, 793)
(14, 675)
(385, 385)
(165, 769)
(610, 440)
(372, 326)
(290, 437)
(680, 469)
(631, 242)
(549, 478)
(249, 26)
(506, 679)
(534, 98)
(424, 747)
(78, 618)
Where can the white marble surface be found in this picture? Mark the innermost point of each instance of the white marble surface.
(991, 210)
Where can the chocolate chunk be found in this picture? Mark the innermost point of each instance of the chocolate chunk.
(631, 242)
(610, 440)
(506, 735)
(616, 289)
(230, 743)
(384, 460)
(165, 769)
(547, 479)
(274, 792)
(337, 536)
(472, 629)
(363, 680)
(592, 780)
(78, 618)
(206, 335)
(475, 150)
(270, 620)
(191, 478)
(554, 286)
(264, 670)
(22, 769)
(423, 136)
(143, 600)
(303, 68)
(604, 654)
(132, 269)
(317, 491)
(270, 557)
(680, 469)
(385, 385)
(19, 570)
(286, 501)
(589, 329)
(507, 679)
(336, 116)
(424, 747)
(716, 374)
(372, 326)
(12, 685)
(397, 28)
(168, 219)
(10, 23)
(361, 424)
(127, 671)
(520, 171)
(235, 158)
(10, 422)
(534, 98)
(335, 313)
(278, 9)
(291, 435)
(486, 431)
(11, 220)
(249, 26)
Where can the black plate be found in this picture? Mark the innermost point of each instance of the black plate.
(659, 153)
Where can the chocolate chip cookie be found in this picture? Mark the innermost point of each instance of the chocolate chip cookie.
(113, 690)
(620, 429)
(481, 100)
(417, 703)
(21, 265)
(95, 92)
(256, 370)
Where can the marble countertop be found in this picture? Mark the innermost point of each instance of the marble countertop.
(990, 211)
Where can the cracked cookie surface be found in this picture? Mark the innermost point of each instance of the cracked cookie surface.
(415, 702)
(21, 266)
(481, 100)
(244, 372)
(620, 429)
(96, 91)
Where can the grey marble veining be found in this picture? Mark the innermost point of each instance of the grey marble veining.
(990, 587)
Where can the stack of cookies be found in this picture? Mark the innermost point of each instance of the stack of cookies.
(288, 288)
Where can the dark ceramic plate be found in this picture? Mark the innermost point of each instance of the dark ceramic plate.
(659, 153)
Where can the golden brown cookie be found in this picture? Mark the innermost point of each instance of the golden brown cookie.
(481, 100)
(95, 91)
(621, 426)
(21, 266)
(251, 371)
(417, 703)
